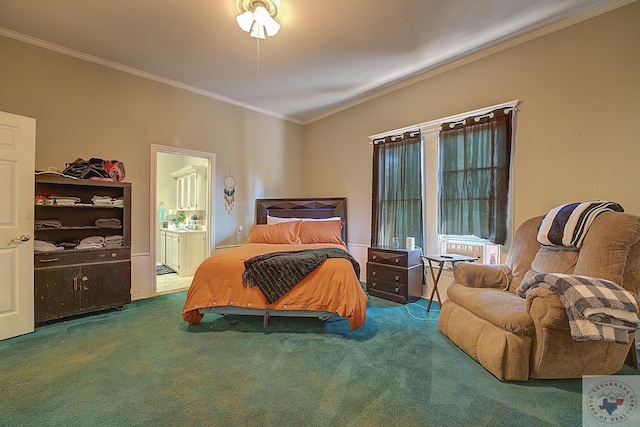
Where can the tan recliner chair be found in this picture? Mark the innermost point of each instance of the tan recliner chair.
(516, 338)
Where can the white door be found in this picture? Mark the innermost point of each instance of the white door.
(17, 163)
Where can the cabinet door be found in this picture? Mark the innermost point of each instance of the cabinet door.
(54, 293)
(181, 193)
(105, 285)
(200, 192)
(192, 253)
(192, 188)
(168, 249)
(163, 248)
(173, 251)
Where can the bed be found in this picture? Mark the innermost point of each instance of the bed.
(291, 226)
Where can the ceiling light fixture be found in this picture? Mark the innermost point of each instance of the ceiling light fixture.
(258, 17)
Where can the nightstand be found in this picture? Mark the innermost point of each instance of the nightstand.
(394, 274)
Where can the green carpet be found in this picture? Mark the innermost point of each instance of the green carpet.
(145, 366)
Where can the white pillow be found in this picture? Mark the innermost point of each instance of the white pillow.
(278, 220)
(333, 218)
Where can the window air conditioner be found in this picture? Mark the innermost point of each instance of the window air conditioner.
(486, 253)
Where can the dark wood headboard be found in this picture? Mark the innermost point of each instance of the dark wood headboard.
(303, 208)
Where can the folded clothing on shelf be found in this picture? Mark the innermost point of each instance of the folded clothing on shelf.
(118, 202)
(48, 223)
(102, 201)
(64, 200)
(43, 200)
(42, 246)
(91, 242)
(108, 223)
(113, 241)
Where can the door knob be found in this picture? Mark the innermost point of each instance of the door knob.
(23, 238)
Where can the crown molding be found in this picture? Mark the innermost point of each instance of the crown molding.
(130, 70)
(358, 98)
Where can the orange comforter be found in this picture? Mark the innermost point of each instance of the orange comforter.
(332, 287)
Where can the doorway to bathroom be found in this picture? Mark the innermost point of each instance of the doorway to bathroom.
(181, 232)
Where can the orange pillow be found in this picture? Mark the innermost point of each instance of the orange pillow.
(285, 232)
(321, 232)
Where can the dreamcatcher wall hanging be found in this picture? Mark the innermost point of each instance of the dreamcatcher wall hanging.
(229, 193)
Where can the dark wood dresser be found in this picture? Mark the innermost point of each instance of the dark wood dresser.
(394, 274)
(77, 281)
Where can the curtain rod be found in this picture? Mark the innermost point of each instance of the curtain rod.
(436, 123)
(395, 137)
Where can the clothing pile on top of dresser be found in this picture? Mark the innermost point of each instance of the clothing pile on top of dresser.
(96, 169)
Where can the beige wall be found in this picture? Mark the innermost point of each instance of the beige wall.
(577, 128)
(88, 110)
(576, 137)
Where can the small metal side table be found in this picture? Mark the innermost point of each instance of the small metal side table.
(441, 260)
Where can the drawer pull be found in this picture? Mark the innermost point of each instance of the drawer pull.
(75, 283)
(113, 255)
(397, 291)
(373, 273)
(373, 284)
(397, 278)
(397, 260)
(48, 259)
(374, 256)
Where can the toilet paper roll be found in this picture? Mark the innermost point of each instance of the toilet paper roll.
(411, 243)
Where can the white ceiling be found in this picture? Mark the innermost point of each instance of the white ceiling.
(329, 54)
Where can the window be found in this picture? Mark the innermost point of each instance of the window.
(468, 216)
(473, 176)
(397, 190)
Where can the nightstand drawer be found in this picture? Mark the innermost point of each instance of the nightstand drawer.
(387, 273)
(388, 257)
(388, 288)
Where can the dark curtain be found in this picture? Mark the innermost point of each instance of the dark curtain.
(397, 189)
(475, 157)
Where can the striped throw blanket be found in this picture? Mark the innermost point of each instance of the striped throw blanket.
(276, 273)
(598, 309)
(567, 225)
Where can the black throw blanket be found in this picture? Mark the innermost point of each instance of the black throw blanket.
(278, 272)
